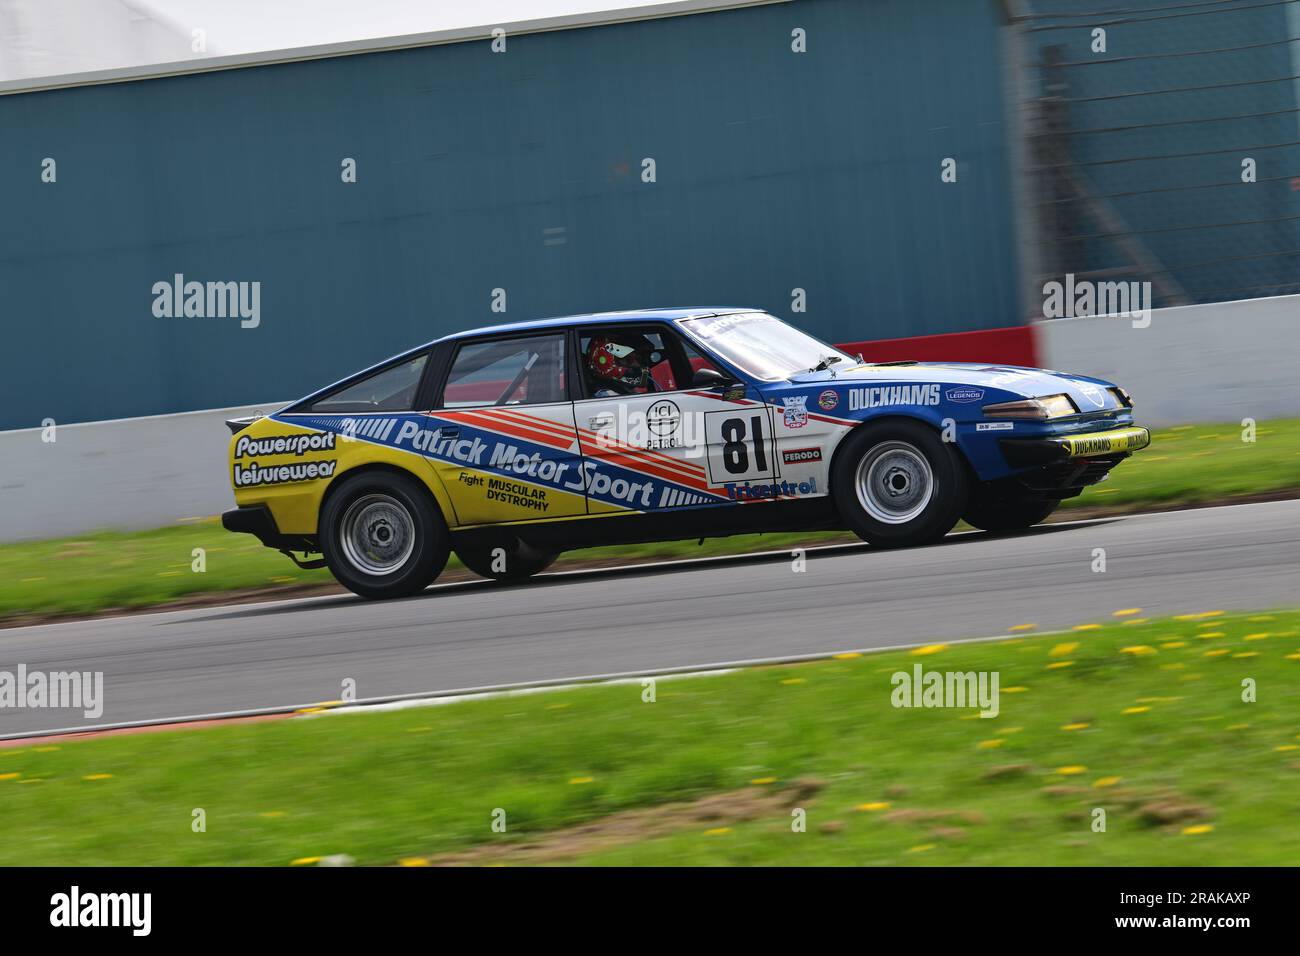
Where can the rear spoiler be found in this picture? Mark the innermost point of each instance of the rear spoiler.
(237, 425)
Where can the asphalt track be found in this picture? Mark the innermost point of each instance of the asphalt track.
(688, 614)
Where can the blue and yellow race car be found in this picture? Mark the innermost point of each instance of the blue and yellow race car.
(514, 443)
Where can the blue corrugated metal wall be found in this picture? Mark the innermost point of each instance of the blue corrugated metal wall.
(477, 170)
(1226, 106)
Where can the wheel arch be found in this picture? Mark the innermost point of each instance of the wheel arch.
(935, 426)
(441, 506)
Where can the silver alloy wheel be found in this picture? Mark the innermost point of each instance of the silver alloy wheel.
(377, 534)
(894, 482)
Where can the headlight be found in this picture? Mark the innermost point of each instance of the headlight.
(1050, 406)
(1124, 397)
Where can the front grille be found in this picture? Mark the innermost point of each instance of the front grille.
(1070, 476)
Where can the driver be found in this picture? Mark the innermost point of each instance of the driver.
(619, 365)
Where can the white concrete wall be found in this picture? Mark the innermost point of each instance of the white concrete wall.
(1220, 362)
(130, 473)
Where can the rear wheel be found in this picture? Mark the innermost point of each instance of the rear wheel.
(1008, 514)
(897, 484)
(382, 536)
(506, 561)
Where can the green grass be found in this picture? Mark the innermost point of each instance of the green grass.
(95, 572)
(385, 786)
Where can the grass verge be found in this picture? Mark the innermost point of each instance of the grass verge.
(110, 570)
(1144, 719)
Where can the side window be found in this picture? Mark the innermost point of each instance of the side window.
(522, 371)
(633, 361)
(389, 390)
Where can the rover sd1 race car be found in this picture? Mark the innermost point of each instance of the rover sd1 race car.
(511, 444)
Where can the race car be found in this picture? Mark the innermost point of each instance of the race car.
(512, 444)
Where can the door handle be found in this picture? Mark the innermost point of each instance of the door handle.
(449, 431)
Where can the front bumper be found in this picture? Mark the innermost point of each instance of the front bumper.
(258, 521)
(1028, 452)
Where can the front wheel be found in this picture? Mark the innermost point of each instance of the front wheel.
(1008, 514)
(896, 484)
(382, 536)
(506, 563)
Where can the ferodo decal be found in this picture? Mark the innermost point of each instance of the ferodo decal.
(801, 456)
(878, 396)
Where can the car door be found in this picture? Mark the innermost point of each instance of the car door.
(504, 441)
(672, 445)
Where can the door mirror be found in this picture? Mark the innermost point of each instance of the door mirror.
(709, 378)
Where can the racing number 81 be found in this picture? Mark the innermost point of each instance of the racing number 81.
(735, 450)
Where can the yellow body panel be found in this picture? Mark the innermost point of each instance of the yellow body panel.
(292, 483)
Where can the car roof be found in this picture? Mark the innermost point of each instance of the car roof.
(633, 317)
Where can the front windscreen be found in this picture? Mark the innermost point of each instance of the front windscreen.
(762, 345)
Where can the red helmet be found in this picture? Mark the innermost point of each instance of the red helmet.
(615, 361)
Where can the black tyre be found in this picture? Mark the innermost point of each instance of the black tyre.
(897, 484)
(514, 562)
(1008, 514)
(383, 536)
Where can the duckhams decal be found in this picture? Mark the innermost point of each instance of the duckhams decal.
(877, 396)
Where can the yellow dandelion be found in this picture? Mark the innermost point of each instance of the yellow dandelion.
(848, 656)
(1014, 690)
(1260, 618)
(1260, 636)
(1071, 770)
(874, 806)
(1211, 635)
(929, 649)
(1173, 645)
(1139, 650)
(1074, 726)
(762, 781)
(1022, 627)
(1198, 828)
(1127, 612)
(1062, 650)
(1106, 781)
(1217, 652)
(305, 861)
(717, 831)
(990, 744)
(1086, 627)
(1057, 665)
(795, 680)
(1010, 730)
(1136, 620)
(1294, 657)
(1135, 710)
(577, 781)
(1247, 654)
(97, 776)
(921, 847)
(413, 861)
(10, 776)
(1286, 747)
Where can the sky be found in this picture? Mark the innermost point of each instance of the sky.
(41, 38)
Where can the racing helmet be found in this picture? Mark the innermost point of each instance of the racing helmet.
(619, 361)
